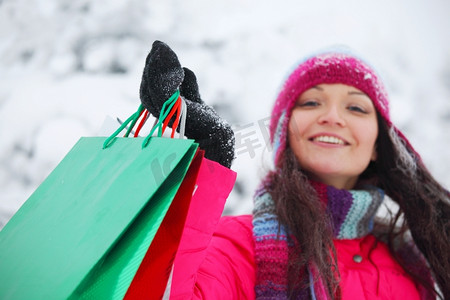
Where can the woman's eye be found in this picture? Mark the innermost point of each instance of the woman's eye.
(311, 103)
(356, 109)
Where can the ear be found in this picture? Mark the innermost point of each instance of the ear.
(374, 155)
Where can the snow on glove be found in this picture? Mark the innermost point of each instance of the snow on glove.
(162, 76)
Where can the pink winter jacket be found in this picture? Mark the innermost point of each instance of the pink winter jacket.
(225, 267)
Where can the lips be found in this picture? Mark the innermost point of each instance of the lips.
(329, 139)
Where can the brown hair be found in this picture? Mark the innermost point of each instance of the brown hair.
(423, 206)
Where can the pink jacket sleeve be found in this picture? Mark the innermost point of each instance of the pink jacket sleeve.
(224, 269)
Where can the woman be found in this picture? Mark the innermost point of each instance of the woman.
(313, 232)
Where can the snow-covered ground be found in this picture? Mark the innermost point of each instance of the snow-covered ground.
(66, 65)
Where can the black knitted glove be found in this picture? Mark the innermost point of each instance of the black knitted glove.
(162, 76)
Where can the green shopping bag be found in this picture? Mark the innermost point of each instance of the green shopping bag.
(85, 230)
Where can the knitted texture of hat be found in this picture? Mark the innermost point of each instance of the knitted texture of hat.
(327, 68)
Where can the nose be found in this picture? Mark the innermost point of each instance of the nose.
(332, 115)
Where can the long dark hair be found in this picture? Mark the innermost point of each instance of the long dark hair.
(423, 206)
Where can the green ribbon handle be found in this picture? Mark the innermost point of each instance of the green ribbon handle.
(134, 117)
(165, 110)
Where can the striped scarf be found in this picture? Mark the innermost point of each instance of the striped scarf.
(352, 215)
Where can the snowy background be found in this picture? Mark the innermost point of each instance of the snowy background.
(66, 65)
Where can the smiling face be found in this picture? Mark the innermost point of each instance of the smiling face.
(332, 132)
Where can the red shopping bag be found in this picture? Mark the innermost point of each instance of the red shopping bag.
(214, 184)
(151, 278)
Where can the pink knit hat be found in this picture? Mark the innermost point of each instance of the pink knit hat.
(327, 68)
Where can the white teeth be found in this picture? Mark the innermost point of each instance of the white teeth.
(329, 139)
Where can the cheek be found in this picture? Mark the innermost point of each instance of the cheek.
(373, 134)
(297, 125)
(293, 132)
(294, 136)
(368, 136)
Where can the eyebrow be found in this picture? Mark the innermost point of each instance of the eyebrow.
(350, 92)
(357, 93)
